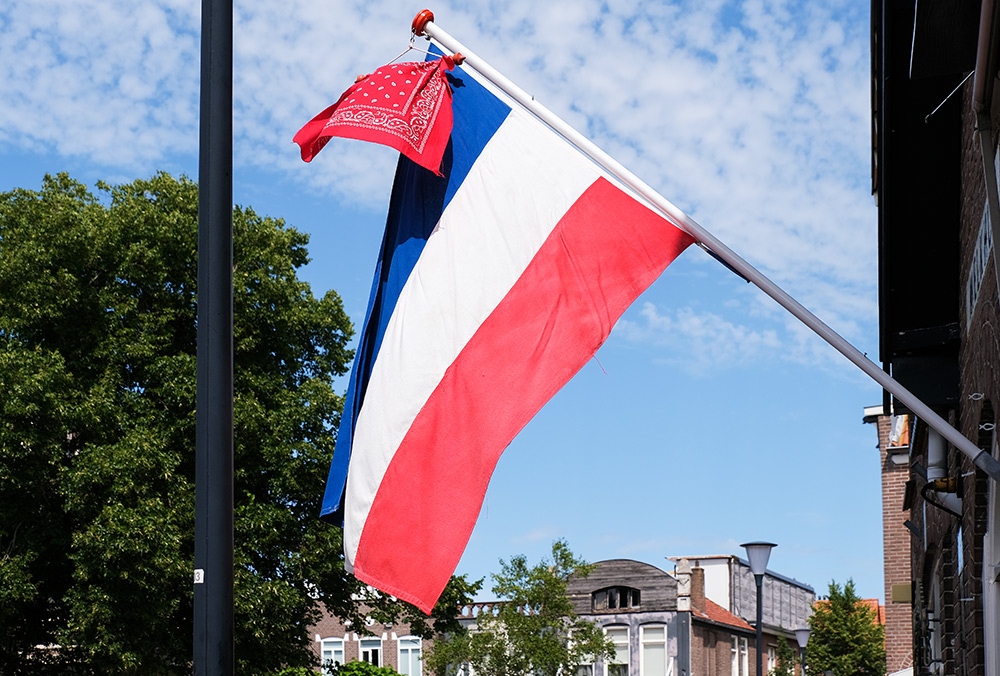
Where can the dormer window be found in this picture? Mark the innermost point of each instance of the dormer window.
(614, 598)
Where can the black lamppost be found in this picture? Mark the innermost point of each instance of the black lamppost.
(757, 554)
(802, 637)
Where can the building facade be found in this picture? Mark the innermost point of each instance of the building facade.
(695, 621)
(894, 456)
(730, 584)
(636, 605)
(678, 623)
(935, 116)
(394, 646)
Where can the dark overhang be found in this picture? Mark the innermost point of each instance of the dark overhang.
(921, 51)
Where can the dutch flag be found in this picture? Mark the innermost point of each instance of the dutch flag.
(496, 283)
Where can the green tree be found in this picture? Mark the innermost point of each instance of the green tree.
(355, 668)
(786, 659)
(360, 668)
(533, 630)
(846, 637)
(97, 367)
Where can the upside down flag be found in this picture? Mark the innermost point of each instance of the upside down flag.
(496, 283)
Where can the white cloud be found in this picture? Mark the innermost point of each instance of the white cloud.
(113, 81)
(758, 129)
(700, 343)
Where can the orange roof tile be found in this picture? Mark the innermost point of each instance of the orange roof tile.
(716, 613)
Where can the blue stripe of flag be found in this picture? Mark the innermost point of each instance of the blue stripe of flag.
(418, 200)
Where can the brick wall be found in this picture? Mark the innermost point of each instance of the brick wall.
(896, 553)
(712, 652)
(331, 627)
(947, 560)
(979, 364)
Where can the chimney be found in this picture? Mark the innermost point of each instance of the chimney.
(683, 574)
(698, 589)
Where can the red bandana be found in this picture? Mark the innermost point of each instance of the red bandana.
(406, 106)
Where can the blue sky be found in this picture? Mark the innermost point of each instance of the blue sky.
(710, 417)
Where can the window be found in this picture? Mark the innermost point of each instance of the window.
(331, 653)
(371, 651)
(744, 656)
(934, 619)
(653, 658)
(409, 656)
(772, 658)
(619, 664)
(735, 658)
(582, 669)
(612, 598)
(991, 575)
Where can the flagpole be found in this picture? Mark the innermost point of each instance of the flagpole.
(423, 24)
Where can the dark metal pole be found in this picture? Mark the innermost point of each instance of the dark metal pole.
(760, 624)
(213, 551)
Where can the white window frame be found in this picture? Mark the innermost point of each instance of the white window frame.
(644, 641)
(734, 649)
(362, 649)
(744, 655)
(331, 640)
(585, 669)
(617, 629)
(991, 574)
(401, 649)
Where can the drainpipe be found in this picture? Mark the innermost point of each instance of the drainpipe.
(940, 490)
(982, 76)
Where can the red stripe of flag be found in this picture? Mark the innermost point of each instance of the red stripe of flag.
(603, 253)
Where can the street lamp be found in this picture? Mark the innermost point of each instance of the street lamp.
(757, 554)
(802, 637)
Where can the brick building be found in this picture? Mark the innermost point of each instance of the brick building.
(662, 624)
(382, 645)
(935, 116)
(720, 642)
(729, 584)
(894, 449)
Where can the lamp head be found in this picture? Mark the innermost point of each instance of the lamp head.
(802, 636)
(757, 554)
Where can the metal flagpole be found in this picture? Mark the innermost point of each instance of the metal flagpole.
(424, 24)
(213, 547)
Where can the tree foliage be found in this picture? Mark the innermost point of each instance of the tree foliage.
(846, 637)
(97, 430)
(533, 630)
(786, 659)
(361, 668)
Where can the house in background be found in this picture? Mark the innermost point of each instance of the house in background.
(661, 623)
(720, 642)
(669, 624)
(730, 584)
(636, 604)
(382, 645)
